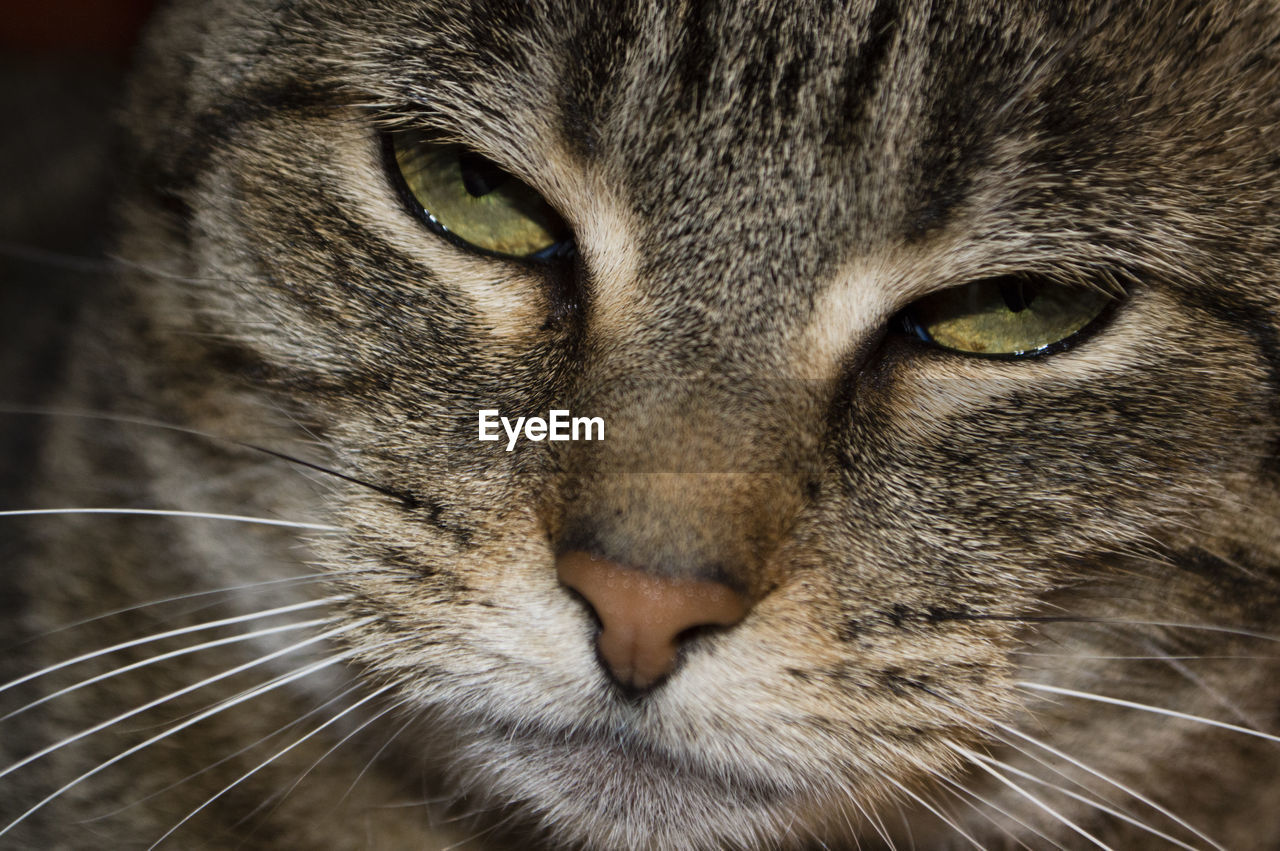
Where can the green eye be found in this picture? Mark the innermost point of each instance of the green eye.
(466, 197)
(1007, 316)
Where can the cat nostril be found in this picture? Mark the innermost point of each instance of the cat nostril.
(644, 618)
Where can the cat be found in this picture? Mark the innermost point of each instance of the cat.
(934, 349)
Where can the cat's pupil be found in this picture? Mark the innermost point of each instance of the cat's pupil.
(1018, 294)
(479, 175)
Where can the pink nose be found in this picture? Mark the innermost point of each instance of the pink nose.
(643, 616)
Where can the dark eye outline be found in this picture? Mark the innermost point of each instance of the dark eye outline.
(555, 254)
(905, 323)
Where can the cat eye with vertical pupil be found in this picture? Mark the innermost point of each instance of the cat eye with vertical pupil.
(1007, 316)
(469, 199)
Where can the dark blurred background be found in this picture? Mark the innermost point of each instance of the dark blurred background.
(62, 70)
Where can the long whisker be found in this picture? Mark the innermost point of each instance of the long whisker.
(967, 792)
(314, 577)
(184, 651)
(21, 410)
(54, 259)
(1105, 621)
(950, 822)
(157, 512)
(875, 824)
(468, 840)
(147, 639)
(253, 663)
(1203, 627)
(882, 829)
(850, 796)
(1105, 778)
(1158, 658)
(1218, 697)
(997, 808)
(279, 797)
(1098, 805)
(1111, 781)
(221, 706)
(906, 826)
(284, 728)
(1145, 707)
(1033, 799)
(230, 589)
(373, 759)
(353, 707)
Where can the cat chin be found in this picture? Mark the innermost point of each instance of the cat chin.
(611, 789)
(718, 746)
(607, 795)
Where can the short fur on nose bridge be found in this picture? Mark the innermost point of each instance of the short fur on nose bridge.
(642, 615)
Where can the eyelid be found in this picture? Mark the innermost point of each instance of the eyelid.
(1010, 317)
(555, 252)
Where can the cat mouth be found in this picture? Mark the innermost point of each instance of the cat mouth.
(617, 755)
(606, 780)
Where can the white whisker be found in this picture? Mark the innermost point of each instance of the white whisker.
(252, 663)
(950, 822)
(278, 731)
(1071, 657)
(281, 796)
(157, 512)
(906, 826)
(229, 589)
(1171, 713)
(221, 706)
(1105, 778)
(353, 707)
(164, 656)
(124, 645)
(965, 791)
(1033, 799)
(1227, 630)
(373, 759)
(1120, 814)
(875, 824)
(106, 416)
(104, 263)
(468, 840)
(844, 815)
(298, 463)
(1218, 697)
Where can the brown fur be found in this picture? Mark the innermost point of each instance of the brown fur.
(756, 190)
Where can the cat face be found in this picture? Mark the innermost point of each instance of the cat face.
(939, 340)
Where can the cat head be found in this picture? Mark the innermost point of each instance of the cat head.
(934, 350)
